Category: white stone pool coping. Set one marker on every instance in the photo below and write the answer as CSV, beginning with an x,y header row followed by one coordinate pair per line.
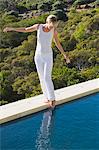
x,y
35,104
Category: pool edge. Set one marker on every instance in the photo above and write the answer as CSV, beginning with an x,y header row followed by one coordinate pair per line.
x,y
86,88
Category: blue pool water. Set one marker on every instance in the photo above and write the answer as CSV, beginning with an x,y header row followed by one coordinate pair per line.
x,y
71,126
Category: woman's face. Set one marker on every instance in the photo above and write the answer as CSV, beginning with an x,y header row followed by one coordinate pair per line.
x,y
51,24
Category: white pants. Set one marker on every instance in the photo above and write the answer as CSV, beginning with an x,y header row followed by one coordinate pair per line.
x,y
44,64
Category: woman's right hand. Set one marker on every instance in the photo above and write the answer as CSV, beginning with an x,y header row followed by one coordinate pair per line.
x,y
8,29
67,59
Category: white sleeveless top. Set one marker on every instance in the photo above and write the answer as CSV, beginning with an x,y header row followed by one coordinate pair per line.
x,y
44,40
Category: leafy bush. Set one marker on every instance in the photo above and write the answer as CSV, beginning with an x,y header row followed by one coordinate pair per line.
x,y
45,6
58,5
81,2
61,15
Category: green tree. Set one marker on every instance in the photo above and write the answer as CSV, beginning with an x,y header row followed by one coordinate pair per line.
x,y
58,5
84,58
90,73
7,5
64,76
45,6
81,2
61,15
5,86
29,85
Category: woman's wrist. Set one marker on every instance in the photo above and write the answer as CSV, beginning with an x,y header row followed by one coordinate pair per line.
x,y
64,55
12,29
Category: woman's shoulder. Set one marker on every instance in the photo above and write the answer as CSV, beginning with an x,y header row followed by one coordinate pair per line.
x,y
39,25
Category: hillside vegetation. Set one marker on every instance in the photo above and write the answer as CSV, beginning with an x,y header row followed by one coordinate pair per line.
x,y
78,32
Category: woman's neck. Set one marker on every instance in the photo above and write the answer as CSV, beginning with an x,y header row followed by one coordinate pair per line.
x,y
46,28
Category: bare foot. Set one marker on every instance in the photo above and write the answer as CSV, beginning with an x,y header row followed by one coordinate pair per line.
x,y
52,103
46,101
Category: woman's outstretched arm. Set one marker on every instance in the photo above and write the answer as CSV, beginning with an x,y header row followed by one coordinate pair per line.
x,y
27,29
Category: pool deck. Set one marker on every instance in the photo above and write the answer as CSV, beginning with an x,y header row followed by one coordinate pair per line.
x,y
35,104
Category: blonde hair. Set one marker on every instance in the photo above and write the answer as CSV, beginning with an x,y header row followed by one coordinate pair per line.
x,y
52,18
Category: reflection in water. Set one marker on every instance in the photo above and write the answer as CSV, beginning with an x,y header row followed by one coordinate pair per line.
x,y
43,139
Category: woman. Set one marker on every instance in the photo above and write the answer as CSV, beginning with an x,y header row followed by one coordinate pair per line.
x,y
44,55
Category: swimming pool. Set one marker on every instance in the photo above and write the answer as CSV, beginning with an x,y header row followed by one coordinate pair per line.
x,y
71,126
